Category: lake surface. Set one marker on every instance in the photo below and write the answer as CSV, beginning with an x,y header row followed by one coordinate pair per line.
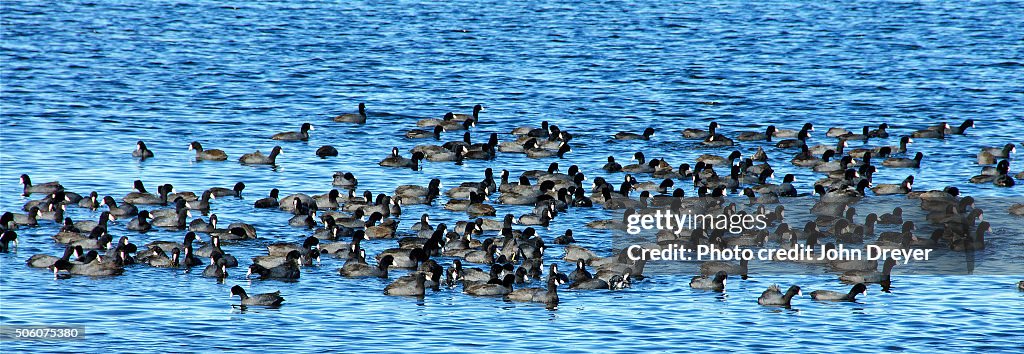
x,y
83,81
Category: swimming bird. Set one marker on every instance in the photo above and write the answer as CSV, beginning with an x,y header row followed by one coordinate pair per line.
x,y
691,133
301,135
45,260
756,136
207,155
168,246
969,242
536,152
273,299
542,219
95,268
894,239
773,296
6,239
287,270
902,148
413,285
175,222
53,205
989,173
642,166
395,160
1003,152
504,287
904,162
450,124
547,296
961,129
345,180
543,131
43,188
893,218
880,132
387,227
213,249
358,118
457,154
217,269
92,202
173,195
140,223
790,133
647,134
759,155
836,132
202,205
591,284
446,121
475,117
883,151
717,140
834,166
800,140
710,159
328,201
304,216
478,208
270,201
145,198
284,248
411,190
902,188
1017,209
141,151
580,274
30,219
257,157
423,134
179,204
807,159
431,122
864,136
936,132
712,267
717,283
235,191
161,260
986,158
870,276
786,189
344,250
612,166
189,258
483,151
423,224
327,151
837,149
362,270
829,295
138,191
1003,178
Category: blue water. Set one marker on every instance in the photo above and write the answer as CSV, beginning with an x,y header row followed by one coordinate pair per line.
x,y
82,81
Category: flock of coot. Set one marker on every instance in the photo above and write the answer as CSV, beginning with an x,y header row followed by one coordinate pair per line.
x,y
488,255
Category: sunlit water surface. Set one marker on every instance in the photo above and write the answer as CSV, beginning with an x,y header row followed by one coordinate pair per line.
x,y
82,81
